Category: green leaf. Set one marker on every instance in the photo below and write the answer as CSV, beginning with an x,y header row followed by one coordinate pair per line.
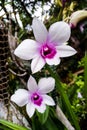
x,y
51,125
64,97
43,117
36,125
12,125
85,75
4,127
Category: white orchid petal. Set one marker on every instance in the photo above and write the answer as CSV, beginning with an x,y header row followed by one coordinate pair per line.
x,y
37,64
46,85
53,61
30,109
40,31
32,85
48,100
27,49
20,97
59,32
65,51
41,108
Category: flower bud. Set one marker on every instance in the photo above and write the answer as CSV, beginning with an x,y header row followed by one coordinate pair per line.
x,y
77,16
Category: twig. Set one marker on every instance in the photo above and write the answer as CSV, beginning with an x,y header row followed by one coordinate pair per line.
x,y
19,75
74,75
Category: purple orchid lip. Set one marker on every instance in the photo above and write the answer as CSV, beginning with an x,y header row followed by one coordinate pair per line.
x,y
36,98
48,51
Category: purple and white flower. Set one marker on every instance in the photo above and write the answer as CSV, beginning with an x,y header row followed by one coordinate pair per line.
x,y
36,96
48,47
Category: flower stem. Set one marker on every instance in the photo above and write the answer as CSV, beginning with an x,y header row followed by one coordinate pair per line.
x,y
64,97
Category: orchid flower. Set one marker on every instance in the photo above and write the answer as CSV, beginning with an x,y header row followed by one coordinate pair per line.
x,y
48,47
36,96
